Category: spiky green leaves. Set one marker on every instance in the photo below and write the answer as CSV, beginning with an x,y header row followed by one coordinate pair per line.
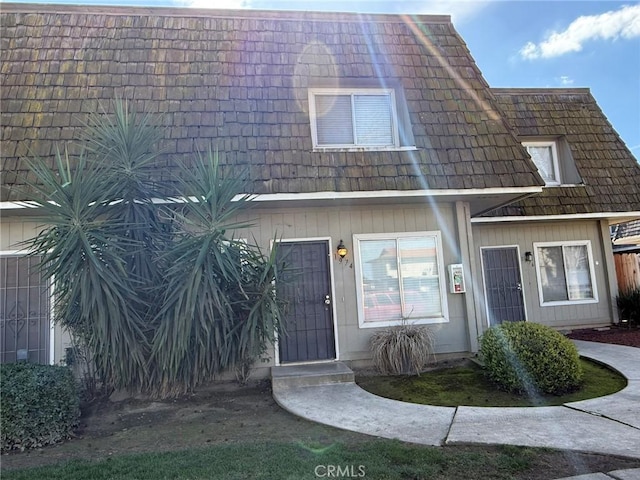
x,y
164,295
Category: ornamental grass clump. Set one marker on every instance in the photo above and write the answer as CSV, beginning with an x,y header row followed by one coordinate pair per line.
x,y
403,349
530,358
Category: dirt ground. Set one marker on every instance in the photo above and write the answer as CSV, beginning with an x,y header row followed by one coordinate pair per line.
x,y
228,413
619,335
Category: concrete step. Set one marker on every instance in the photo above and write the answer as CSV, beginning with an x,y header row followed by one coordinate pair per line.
x,y
289,376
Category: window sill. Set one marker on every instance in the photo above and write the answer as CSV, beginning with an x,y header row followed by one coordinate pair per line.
x,y
395,323
563,185
569,302
363,149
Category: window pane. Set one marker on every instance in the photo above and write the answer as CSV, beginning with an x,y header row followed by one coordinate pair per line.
x,y
373,120
552,274
543,158
576,259
419,275
380,280
334,119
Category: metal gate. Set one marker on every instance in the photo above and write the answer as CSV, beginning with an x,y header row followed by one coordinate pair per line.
x,y
308,326
503,285
24,310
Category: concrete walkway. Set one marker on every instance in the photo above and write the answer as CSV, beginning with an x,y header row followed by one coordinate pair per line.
x,y
605,425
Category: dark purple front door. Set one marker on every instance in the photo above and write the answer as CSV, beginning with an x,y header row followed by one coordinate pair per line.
x,y
503,285
308,328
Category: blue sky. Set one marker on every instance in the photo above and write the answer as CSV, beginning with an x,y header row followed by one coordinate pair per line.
x,y
516,43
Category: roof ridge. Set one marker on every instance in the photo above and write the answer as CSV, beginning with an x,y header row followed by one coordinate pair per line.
x,y
540,90
282,15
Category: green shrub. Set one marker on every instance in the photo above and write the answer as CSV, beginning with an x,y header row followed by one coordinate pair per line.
x,y
629,304
403,349
529,357
38,406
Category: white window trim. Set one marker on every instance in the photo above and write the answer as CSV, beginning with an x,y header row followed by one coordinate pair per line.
x,y
52,301
554,159
592,274
352,147
360,289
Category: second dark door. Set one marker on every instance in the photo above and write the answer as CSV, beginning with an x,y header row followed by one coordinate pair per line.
x,y
503,285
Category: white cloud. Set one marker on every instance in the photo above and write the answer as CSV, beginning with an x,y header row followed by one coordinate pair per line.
x,y
612,25
565,81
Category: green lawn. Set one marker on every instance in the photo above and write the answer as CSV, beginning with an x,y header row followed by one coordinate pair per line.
x,y
467,385
374,459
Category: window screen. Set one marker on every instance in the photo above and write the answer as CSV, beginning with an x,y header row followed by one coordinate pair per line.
x,y
334,119
373,119
357,118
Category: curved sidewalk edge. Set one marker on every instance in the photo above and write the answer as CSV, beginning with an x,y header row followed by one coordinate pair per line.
x,y
628,474
347,406
606,425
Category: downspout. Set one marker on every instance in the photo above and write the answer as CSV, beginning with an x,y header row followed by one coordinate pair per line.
x,y
611,280
467,256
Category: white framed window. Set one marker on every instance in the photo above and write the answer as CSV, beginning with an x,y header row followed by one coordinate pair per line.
x,y
362,118
545,156
25,310
400,277
565,273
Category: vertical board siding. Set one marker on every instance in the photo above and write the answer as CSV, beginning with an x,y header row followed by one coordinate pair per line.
x,y
339,222
342,223
525,235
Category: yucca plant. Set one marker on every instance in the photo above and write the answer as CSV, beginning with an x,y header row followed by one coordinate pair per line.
x,y
83,253
402,349
127,142
164,297
219,308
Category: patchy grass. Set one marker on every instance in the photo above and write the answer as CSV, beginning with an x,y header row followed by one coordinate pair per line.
x,y
241,433
467,385
373,459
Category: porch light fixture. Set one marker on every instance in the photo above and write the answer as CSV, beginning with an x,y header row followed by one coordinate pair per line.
x,y
342,250
528,257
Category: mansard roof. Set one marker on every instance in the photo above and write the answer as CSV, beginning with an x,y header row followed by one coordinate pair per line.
x,y
238,81
609,174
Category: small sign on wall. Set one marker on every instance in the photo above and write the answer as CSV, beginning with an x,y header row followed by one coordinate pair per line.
x,y
456,278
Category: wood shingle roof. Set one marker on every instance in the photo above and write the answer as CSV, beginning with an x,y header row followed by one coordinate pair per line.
x,y
238,80
609,173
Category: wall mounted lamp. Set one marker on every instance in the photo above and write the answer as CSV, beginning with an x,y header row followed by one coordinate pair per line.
x,y
528,257
342,250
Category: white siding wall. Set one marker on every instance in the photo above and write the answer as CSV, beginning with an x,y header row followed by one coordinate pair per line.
x,y
336,223
343,222
524,235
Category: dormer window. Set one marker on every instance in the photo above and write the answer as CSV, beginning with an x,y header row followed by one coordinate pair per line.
x,y
545,156
363,118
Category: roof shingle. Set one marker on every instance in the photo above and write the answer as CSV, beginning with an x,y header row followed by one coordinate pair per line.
x,y
238,80
610,175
